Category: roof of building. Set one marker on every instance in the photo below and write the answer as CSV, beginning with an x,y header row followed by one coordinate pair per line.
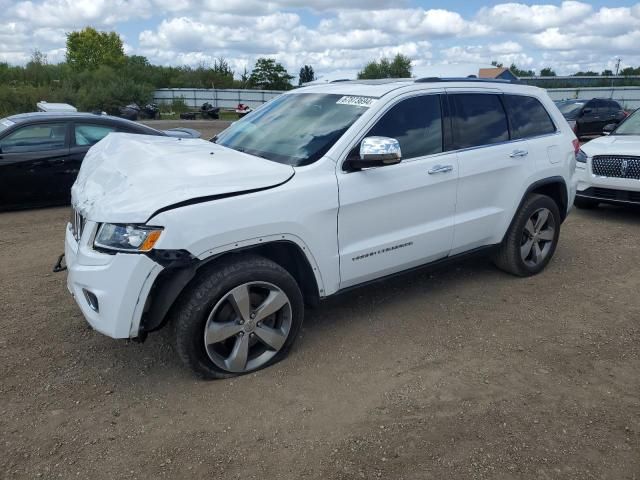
x,y
491,72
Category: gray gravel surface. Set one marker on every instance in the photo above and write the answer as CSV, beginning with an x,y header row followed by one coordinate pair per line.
x,y
463,372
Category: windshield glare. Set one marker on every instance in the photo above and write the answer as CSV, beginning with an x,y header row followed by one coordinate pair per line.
x,y
570,109
631,126
296,129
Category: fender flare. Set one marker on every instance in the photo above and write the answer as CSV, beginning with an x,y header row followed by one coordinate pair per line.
x,y
535,186
180,267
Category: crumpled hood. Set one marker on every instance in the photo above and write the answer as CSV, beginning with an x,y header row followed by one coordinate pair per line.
x,y
125,178
613,145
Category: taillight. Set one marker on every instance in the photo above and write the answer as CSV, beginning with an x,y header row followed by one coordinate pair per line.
x,y
576,146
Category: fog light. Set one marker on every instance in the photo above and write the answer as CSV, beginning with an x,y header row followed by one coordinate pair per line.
x,y
92,300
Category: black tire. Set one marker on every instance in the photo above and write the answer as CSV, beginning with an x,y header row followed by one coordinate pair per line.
x,y
585,203
509,257
209,287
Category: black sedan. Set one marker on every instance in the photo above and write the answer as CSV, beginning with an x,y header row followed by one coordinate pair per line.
x,y
41,153
588,117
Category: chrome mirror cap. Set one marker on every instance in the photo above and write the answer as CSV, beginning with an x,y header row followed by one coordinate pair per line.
x,y
380,149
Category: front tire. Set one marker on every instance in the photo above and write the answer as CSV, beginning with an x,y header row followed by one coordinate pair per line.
x,y
532,237
237,316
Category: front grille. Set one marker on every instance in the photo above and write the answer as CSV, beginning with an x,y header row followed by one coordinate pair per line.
x,y
77,224
617,166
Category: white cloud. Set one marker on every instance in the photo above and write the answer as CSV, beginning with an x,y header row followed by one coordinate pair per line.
x,y
331,34
518,17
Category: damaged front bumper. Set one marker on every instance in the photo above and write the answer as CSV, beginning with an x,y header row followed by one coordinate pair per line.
x,y
110,289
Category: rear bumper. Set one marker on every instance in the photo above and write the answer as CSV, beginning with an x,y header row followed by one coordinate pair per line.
x,y
111,290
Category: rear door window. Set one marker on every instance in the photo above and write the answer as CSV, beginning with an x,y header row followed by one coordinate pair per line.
x,y
416,123
87,134
527,116
478,119
39,137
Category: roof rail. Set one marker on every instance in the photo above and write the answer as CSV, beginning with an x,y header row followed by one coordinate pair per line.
x,y
463,79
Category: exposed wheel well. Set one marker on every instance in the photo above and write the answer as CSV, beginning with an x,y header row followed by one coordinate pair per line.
x,y
556,190
290,257
173,280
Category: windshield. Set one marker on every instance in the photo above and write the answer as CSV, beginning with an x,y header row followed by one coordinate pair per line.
x,y
631,126
296,129
5,123
570,109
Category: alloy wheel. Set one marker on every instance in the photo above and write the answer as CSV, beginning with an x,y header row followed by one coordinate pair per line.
x,y
537,237
247,327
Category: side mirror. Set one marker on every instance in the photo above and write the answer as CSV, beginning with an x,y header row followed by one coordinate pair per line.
x,y
376,152
587,110
608,128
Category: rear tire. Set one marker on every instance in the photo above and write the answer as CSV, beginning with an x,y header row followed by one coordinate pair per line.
x,y
532,237
585,203
237,316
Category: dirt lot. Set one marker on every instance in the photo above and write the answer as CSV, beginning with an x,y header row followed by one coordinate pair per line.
x,y
461,373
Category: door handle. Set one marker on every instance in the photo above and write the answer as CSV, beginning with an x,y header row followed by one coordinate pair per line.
x,y
440,169
518,153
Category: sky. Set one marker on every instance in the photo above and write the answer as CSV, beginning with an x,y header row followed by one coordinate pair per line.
x,y
337,35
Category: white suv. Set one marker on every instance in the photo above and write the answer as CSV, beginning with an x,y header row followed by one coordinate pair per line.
x,y
322,189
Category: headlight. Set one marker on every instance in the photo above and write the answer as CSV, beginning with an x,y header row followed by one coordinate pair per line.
x,y
581,157
126,238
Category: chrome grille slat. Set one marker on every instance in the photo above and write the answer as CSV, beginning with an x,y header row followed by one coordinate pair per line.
x,y
616,166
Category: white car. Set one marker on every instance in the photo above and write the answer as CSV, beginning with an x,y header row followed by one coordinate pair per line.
x,y
324,188
608,167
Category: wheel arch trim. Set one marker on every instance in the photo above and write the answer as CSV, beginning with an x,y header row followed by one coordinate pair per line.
x,y
175,278
555,180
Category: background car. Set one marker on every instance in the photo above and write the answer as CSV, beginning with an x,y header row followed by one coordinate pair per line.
x,y
588,117
41,153
608,168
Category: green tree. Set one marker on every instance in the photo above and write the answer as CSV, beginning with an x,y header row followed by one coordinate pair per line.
x,y
496,64
630,71
520,72
547,72
399,67
588,73
269,75
306,75
607,73
89,49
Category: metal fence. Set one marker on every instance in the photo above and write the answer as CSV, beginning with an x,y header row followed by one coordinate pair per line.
x,y
629,97
195,97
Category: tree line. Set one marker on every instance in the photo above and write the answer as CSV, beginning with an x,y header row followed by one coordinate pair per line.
x,y
98,75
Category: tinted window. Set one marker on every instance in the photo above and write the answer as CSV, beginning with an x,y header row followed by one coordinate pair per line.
x,y
35,138
527,116
91,134
416,123
478,119
614,106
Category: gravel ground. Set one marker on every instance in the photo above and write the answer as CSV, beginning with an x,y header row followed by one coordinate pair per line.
x,y
464,372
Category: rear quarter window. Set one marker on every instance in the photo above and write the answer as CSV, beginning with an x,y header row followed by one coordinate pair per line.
x,y
528,117
478,119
